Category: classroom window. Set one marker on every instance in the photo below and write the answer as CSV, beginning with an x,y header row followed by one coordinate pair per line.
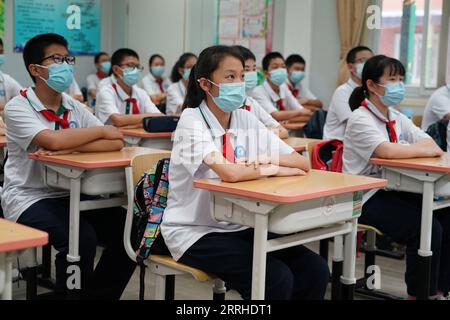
x,y
411,33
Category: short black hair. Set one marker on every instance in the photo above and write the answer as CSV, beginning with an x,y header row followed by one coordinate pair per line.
x,y
34,50
294,58
269,57
98,55
246,53
351,55
120,55
175,75
155,56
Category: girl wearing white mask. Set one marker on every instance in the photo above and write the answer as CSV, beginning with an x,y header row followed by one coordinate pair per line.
x,y
155,83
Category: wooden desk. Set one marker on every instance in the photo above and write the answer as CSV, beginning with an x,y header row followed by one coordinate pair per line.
x,y
160,140
429,177
95,174
14,238
318,206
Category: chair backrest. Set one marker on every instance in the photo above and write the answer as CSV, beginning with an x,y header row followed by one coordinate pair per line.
x,y
417,120
311,147
143,163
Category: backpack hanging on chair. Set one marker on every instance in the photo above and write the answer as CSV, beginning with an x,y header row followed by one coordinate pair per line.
x,y
315,125
150,201
438,131
327,156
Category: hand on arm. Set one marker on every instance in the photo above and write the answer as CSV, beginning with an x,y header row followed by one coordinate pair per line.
x,y
425,148
289,115
121,121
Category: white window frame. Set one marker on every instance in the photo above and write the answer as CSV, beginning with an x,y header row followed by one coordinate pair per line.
x,y
418,92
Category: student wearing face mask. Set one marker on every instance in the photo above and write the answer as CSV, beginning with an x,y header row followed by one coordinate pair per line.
x,y
9,88
120,101
44,120
180,78
155,83
250,104
102,62
274,95
339,110
376,129
296,66
214,138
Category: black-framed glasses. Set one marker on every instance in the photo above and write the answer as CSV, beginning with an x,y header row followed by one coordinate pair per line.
x,y
132,66
58,59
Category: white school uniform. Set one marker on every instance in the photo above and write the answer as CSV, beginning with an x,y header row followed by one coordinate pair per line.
x,y
437,107
175,97
9,88
266,119
365,133
93,82
104,83
339,112
267,98
187,217
303,91
111,101
24,178
152,88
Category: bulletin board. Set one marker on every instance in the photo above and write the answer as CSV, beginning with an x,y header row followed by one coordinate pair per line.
x,y
76,20
2,20
247,23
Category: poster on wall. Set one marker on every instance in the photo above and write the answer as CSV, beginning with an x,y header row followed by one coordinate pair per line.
x,y
76,20
2,20
247,23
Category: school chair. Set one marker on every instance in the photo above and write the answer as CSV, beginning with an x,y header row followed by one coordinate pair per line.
x,y
417,120
165,268
370,250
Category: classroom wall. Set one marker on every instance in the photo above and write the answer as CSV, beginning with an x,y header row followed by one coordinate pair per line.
x,y
113,20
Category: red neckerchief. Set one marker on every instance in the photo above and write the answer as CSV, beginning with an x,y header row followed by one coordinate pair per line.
x,y
129,101
390,125
227,148
295,92
280,105
100,75
245,106
160,83
50,115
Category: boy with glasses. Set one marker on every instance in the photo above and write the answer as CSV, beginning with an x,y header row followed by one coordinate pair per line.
x,y
44,120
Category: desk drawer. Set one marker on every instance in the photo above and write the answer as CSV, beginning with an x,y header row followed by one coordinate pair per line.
x,y
93,182
402,182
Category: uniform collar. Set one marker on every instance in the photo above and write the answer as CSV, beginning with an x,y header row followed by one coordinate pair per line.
x,y
391,112
120,92
182,88
67,101
272,94
217,130
352,83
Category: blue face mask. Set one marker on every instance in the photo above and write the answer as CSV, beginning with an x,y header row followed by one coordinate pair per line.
x,y
297,76
105,67
251,80
60,76
186,74
394,94
278,76
359,70
231,96
158,71
2,59
131,76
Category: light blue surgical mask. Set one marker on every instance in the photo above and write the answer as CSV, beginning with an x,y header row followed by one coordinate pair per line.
x,y
131,76
278,76
359,70
231,96
60,76
394,94
297,76
105,67
158,71
251,80
2,59
186,74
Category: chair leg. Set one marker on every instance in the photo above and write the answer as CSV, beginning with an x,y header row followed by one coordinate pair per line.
x,y
160,287
219,290
47,261
31,283
170,288
324,244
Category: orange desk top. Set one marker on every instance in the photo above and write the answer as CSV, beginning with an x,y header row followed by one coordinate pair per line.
x,y
14,236
299,144
294,126
2,141
439,164
97,160
141,133
316,184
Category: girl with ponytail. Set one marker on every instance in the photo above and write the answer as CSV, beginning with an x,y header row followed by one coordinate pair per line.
x,y
376,130
217,139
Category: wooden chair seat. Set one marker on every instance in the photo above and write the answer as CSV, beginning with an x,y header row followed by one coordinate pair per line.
x,y
362,227
171,263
